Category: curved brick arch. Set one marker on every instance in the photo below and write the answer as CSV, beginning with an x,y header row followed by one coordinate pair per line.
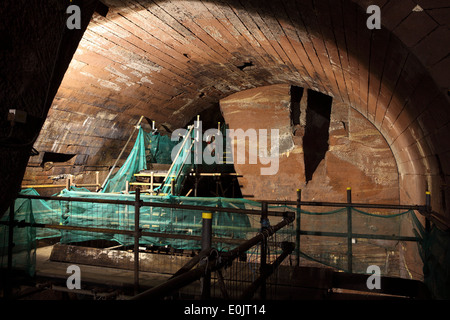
x,y
171,60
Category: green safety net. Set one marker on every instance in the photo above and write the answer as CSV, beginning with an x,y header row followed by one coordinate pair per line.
x,y
135,162
148,148
435,253
24,238
156,148
159,148
327,242
330,250
121,217
180,167
152,219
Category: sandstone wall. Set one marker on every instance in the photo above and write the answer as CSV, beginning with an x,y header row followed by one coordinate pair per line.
x,y
357,157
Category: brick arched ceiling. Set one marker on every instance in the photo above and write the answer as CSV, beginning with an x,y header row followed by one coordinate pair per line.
x,y
169,60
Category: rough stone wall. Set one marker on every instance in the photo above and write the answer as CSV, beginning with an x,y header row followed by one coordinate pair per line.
x,y
35,51
357,157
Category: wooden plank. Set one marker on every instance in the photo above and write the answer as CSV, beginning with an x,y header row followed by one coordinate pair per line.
x,y
150,175
37,186
117,259
146,184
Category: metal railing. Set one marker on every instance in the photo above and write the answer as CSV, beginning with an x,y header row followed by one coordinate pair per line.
x,y
424,210
135,230
215,262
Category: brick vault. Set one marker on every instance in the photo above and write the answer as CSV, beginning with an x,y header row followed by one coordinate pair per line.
x,y
83,90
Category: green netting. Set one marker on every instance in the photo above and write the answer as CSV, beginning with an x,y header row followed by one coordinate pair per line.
x,y
180,167
326,240
435,253
159,148
155,148
330,250
148,148
24,238
121,217
135,162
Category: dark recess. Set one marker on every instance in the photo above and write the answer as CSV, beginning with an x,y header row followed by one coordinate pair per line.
x,y
296,97
245,65
56,157
315,141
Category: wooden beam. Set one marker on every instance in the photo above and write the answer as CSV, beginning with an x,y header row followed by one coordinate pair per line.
x,y
43,186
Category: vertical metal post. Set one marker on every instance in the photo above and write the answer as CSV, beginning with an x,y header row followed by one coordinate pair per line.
x,y
196,182
172,186
69,182
297,235
263,266
428,205
137,235
152,178
206,245
349,231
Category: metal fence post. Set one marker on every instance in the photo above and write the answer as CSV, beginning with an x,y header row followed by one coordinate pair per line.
x,y
172,186
428,205
206,245
264,225
137,235
349,231
297,236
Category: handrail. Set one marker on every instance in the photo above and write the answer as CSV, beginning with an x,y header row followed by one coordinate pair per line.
x,y
153,204
423,210
287,215
178,153
436,218
216,263
346,204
